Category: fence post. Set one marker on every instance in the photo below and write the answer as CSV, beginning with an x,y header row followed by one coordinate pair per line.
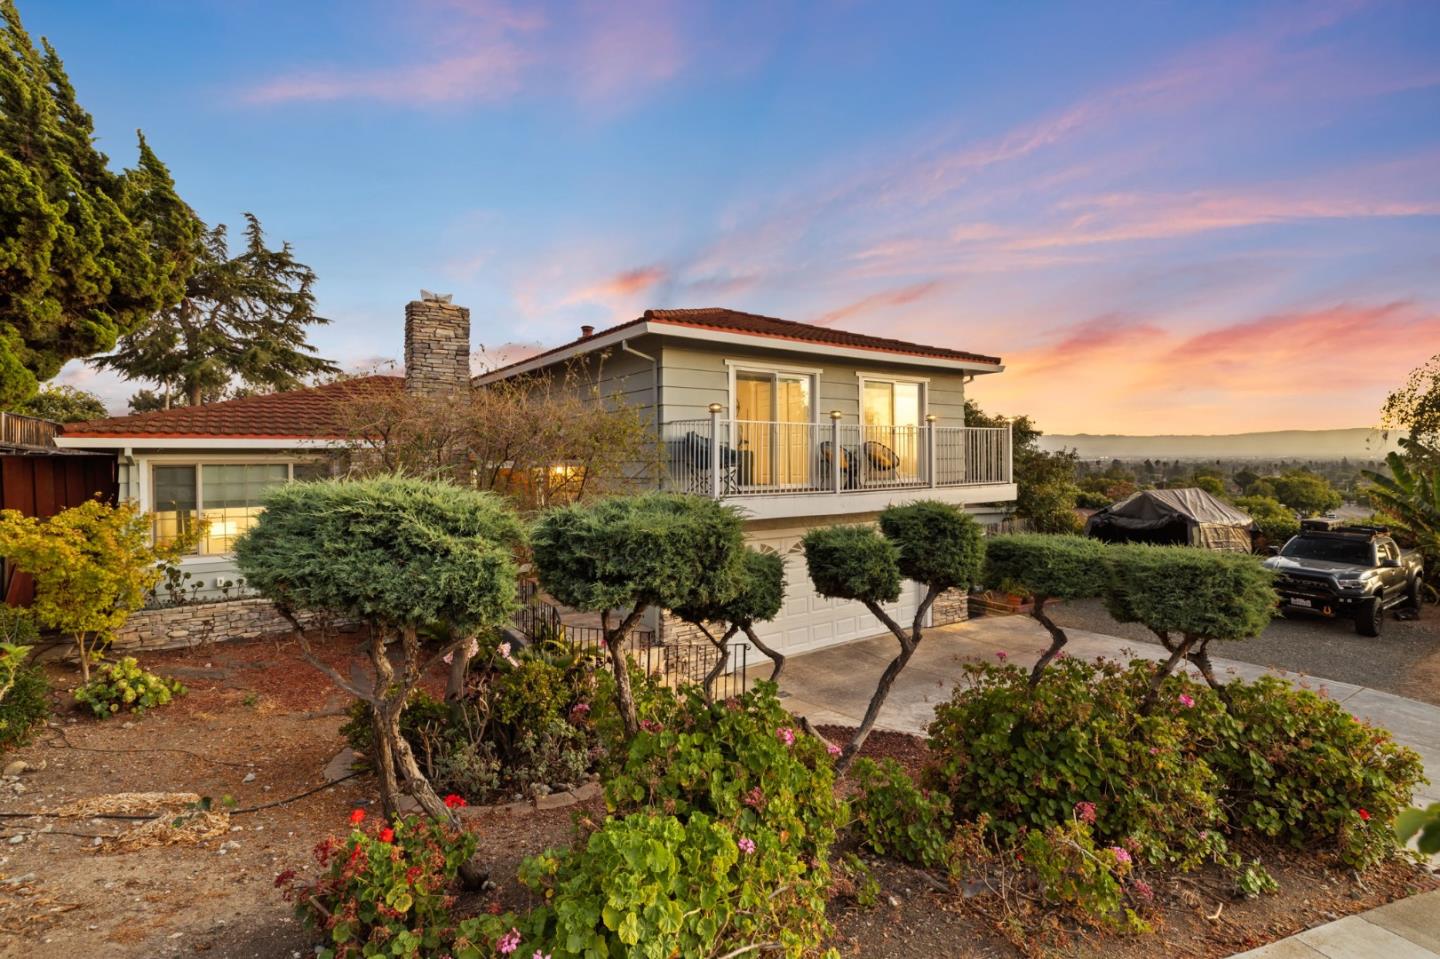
x,y
835,451
930,446
715,409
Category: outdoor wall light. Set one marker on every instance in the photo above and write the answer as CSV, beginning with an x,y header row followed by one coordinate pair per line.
x,y
836,414
716,408
931,418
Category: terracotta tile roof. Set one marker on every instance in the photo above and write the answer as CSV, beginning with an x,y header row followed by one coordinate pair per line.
x,y
734,321
310,413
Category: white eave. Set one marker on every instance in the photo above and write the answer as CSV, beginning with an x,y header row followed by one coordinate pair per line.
x,y
152,441
728,338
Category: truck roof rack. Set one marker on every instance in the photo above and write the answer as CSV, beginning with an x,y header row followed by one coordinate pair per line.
x,y
1321,524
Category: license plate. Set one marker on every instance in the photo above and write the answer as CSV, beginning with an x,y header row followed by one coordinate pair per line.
x,y
1297,601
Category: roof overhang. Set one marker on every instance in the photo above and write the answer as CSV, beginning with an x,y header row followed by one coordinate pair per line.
x,y
192,442
687,331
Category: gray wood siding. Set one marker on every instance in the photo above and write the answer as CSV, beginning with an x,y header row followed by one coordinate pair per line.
x,y
694,376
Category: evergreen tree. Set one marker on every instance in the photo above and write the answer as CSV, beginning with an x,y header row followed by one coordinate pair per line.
x,y
86,254
63,404
241,324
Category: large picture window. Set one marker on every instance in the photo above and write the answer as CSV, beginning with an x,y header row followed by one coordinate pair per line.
x,y
224,495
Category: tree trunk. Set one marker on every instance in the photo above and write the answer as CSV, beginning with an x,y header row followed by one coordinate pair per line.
x,y
459,668
385,762
615,644
908,645
84,658
775,657
1201,659
1058,639
723,646
1177,653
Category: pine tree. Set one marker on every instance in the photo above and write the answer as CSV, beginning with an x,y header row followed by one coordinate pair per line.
x,y
86,254
240,325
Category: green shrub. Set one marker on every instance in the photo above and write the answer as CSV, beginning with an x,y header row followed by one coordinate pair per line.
x,y
1031,758
385,890
1190,592
125,687
1299,767
895,817
939,544
852,562
24,690
1045,566
1276,521
1072,871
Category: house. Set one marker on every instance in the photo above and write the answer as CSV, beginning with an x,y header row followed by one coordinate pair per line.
x,y
795,424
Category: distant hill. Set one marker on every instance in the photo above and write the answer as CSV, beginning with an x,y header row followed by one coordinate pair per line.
x,y
1361,443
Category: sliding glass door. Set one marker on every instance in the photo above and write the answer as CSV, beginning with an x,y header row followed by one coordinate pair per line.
x,y
774,417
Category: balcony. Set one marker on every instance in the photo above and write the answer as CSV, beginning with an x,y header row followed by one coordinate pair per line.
x,y
755,461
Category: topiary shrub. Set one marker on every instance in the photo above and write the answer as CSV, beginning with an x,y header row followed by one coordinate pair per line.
x,y
1035,757
895,817
401,555
1198,594
1045,567
759,594
937,545
1299,767
125,687
661,550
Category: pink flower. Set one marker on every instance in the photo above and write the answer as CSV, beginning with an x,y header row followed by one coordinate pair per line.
x,y
1143,890
1154,750
650,726
832,749
746,844
1085,812
503,649
1001,655
540,955
509,942
1186,700
786,734
1120,854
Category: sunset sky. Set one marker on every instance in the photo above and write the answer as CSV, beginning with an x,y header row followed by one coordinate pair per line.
x,y
1166,217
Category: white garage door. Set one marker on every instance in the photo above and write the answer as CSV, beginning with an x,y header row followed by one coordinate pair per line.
x,y
808,621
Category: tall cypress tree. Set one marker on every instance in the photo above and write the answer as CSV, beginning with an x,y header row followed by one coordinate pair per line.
x,y
86,255
241,326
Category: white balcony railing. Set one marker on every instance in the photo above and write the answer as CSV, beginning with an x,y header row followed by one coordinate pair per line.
x,y
757,457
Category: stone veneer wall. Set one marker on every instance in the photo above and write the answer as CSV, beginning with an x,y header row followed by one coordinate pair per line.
x,y
437,347
951,606
175,627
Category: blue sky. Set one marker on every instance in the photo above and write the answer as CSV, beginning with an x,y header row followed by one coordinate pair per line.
x,y
1165,216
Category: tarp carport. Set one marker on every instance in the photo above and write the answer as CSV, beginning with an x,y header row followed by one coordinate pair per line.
x,y
1174,516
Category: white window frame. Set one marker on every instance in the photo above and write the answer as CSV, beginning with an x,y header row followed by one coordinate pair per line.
x,y
735,366
196,462
864,377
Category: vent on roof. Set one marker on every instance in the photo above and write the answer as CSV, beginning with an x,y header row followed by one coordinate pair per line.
x,y
586,332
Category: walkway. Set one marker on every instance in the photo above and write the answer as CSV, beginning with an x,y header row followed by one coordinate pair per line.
x,y
1408,929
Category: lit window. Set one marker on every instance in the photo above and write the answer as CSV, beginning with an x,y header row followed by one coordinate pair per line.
x,y
226,495
175,503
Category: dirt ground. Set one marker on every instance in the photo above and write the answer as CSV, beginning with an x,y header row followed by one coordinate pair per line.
x,y
260,725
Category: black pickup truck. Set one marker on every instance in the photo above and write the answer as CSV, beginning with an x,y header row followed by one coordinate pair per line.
x,y
1354,571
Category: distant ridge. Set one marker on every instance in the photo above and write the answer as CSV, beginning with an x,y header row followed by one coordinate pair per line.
x,y
1362,443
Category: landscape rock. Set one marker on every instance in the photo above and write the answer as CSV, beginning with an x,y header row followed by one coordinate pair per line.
x,y
15,768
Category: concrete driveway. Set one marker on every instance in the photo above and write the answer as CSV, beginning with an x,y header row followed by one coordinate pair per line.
x,y
834,685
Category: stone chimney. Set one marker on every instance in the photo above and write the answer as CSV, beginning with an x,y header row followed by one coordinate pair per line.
x,y
437,345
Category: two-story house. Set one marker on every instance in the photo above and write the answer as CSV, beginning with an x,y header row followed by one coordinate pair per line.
x,y
797,425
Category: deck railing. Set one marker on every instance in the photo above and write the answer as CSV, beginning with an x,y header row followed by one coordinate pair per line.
x,y
16,429
723,458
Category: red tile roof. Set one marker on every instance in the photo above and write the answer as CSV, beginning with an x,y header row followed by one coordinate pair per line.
x,y
752,324
312,413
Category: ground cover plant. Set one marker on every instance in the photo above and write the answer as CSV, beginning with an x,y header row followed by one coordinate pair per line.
x,y
124,687
937,545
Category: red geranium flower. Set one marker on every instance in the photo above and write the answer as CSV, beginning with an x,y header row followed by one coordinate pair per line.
x,y
1363,814
453,801
357,816
387,834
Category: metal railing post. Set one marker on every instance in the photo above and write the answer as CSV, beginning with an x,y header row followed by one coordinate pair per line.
x,y
835,451
1009,453
715,409
930,464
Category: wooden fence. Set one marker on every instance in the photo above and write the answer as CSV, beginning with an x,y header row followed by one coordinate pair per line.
x,y
42,482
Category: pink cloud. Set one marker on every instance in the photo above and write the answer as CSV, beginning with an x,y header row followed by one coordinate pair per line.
x,y
622,286
880,301
599,54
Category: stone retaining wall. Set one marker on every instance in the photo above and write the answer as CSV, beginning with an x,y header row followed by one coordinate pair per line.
x,y
191,624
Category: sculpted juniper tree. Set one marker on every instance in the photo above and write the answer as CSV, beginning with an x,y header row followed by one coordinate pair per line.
x,y
935,544
1189,598
1045,568
760,592
399,556
622,556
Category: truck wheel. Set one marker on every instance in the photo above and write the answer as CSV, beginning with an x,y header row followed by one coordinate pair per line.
x,y
1370,617
1412,595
